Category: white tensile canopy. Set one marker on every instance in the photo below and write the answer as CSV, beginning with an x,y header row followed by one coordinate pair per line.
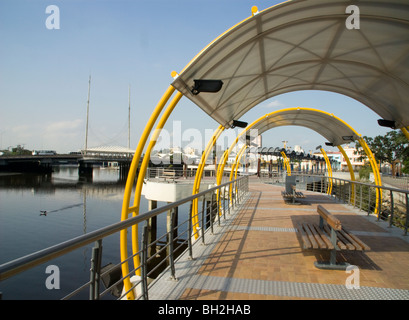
x,y
306,45
336,131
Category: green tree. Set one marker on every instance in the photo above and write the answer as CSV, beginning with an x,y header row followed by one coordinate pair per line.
x,y
390,148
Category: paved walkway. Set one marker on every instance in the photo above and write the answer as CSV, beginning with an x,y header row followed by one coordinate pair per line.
x,y
256,254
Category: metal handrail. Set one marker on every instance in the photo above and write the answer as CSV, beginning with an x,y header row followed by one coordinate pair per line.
x,y
27,262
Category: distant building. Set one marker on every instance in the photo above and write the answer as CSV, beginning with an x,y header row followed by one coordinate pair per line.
x,y
354,158
340,163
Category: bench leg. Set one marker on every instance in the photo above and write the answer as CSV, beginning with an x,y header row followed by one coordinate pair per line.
x,y
332,264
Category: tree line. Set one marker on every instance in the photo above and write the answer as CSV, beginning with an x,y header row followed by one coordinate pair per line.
x,y
391,148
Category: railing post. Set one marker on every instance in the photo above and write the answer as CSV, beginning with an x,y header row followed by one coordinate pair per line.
x,y
237,194
224,203
190,234
144,264
228,197
218,206
378,191
203,220
369,200
355,185
212,213
240,190
322,184
95,270
407,216
171,244
360,197
392,210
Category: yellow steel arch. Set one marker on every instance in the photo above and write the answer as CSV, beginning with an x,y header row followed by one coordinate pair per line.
x,y
351,172
142,172
328,163
405,132
238,163
234,168
198,176
375,171
361,141
126,210
233,172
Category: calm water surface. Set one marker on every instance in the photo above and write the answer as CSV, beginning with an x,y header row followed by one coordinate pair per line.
x,y
73,208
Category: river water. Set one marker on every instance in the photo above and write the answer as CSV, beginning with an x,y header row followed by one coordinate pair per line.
x,y
73,207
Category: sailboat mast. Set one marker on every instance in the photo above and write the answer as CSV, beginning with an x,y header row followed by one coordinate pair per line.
x,y
86,128
129,117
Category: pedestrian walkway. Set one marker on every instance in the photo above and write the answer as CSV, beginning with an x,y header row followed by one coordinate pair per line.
x,y
256,254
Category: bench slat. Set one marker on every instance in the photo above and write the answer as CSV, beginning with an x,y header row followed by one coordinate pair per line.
x,y
306,241
292,195
317,237
324,237
360,244
310,236
340,244
346,240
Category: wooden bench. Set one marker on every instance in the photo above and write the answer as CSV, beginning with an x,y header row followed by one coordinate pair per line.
x,y
330,236
293,195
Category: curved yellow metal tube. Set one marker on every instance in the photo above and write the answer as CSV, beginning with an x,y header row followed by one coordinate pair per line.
x,y
142,172
234,169
223,159
234,165
405,132
233,172
328,163
375,171
238,163
362,142
199,174
351,172
228,151
219,177
129,184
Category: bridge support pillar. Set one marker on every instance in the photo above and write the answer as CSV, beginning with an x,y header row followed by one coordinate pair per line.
x,y
124,170
85,170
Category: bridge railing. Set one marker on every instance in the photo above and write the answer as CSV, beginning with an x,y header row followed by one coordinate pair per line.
x,y
158,252
391,203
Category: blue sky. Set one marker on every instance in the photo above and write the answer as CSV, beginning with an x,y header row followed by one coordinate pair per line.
x,y
121,43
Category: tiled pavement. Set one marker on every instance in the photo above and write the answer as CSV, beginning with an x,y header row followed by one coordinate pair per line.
x,y
256,254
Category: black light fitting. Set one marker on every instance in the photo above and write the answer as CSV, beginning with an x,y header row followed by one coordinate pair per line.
x,y
240,124
387,123
206,86
348,138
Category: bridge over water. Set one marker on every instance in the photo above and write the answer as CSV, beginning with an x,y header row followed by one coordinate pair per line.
x,y
85,160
